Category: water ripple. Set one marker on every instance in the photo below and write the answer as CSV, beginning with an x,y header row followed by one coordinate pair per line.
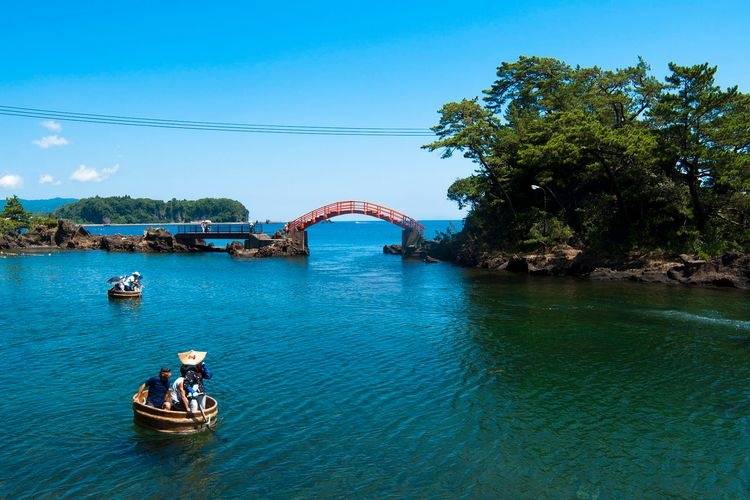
x,y
357,374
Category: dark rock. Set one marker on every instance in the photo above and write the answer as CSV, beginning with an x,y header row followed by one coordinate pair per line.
x,y
495,261
691,261
392,249
120,243
157,234
235,249
284,247
676,273
517,265
153,241
582,264
70,235
724,281
8,241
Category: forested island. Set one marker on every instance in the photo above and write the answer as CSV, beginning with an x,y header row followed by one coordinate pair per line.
x,y
615,163
127,210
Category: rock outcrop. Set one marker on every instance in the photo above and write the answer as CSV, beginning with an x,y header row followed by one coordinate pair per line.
x,y
731,270
392,249
279,247
67,235
157,240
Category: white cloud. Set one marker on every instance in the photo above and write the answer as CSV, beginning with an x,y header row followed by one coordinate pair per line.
x,y
51,140
88,174
10,181
52,125
48,179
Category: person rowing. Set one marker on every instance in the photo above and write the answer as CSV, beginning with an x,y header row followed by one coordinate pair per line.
x,y
187,392
133,282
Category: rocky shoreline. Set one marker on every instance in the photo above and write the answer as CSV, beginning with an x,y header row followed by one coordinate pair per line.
x,y
732,270
69,236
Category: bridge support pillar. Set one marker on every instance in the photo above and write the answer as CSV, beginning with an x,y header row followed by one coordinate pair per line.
x,y
411,243
299,239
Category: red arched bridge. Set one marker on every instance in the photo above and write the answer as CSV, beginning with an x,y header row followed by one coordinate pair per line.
x,y
353,207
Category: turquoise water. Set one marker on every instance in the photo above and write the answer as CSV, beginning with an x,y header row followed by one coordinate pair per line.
x,y
355,374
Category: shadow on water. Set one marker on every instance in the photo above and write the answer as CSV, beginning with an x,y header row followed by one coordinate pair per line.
x,y
125,304
187,461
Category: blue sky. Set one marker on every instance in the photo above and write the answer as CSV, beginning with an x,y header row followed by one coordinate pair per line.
x,y
343,64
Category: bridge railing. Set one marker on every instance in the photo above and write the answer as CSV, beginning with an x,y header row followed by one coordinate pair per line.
x,y
213,228
354,207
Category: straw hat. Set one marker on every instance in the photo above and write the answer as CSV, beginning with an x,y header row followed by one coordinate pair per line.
x,y
191,357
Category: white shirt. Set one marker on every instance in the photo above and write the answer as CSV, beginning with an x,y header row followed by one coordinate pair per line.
x,y
174,392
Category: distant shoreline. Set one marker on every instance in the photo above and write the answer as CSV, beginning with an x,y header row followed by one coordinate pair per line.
x,y
169,224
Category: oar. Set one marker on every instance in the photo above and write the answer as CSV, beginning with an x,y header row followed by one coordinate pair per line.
x,y
205,420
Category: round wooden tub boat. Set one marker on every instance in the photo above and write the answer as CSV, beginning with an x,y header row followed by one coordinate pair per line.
x,y
179,422
123,294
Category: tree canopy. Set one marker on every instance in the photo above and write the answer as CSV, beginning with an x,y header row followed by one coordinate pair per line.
x,y
13,217
610,160
127,210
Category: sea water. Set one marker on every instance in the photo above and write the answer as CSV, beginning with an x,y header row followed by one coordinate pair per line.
x,y
351,373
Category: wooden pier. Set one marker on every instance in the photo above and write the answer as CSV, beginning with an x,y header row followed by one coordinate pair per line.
x,y
223,231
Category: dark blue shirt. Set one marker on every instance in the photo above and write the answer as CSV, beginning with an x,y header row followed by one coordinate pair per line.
x,y
157,389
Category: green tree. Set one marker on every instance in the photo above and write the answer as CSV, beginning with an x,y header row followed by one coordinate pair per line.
x,y
704,134
688,118
14,217
619,160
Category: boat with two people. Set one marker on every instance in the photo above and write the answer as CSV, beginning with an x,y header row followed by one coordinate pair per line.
x,y
201,413
126,287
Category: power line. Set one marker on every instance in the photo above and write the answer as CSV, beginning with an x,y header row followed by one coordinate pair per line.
x,y
212,126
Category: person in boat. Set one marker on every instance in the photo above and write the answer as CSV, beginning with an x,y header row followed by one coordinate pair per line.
x,y
157,389
133,282
120,285
187,392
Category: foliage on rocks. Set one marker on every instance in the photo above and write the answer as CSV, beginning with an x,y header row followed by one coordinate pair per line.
x,y
14,219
